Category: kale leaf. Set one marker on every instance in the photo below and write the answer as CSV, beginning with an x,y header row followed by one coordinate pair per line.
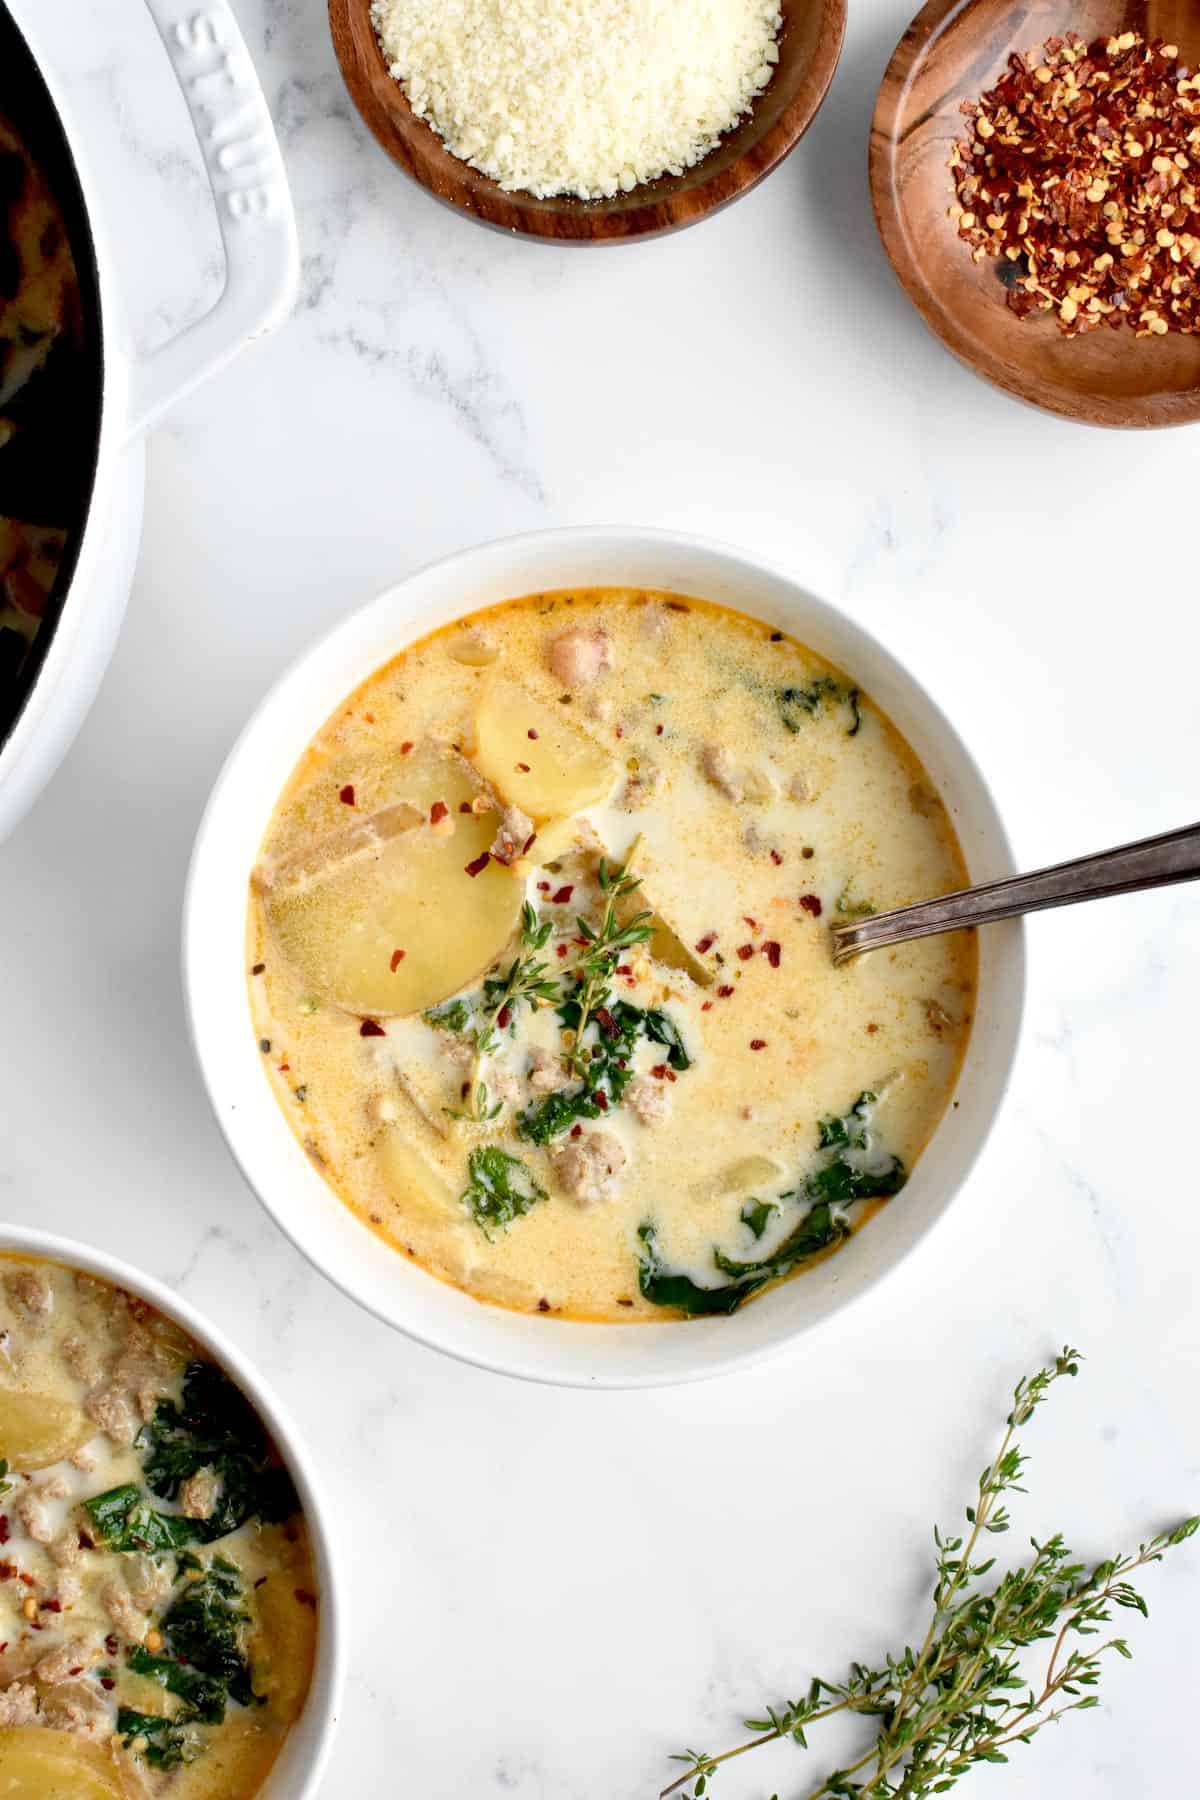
x,y
452,1015
757,1214
493,1197
797,704
204,1627
169,1742
608,1069
216,1428
671,1287
852,1170
203,1695
123,1519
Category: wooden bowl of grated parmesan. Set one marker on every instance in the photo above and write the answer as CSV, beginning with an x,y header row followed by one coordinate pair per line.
x,y
588,121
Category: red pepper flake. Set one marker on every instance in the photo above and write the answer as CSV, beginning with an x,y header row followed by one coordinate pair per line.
x,y
523,768
56,1606
560,949
306,1598
706,943
752,923
659,1071
284,1068
707,1006
777,857
503,1016
107,1683
723,993
530,841
464,806
601,1099
406,746
745,952
543,887
658,731
112,1644
562,895
607,1023
4,1528
7,1571
531,733
437,812
577,1131
758,1043
624,969
258,968
480,864
811,904
581,941
620,731
398,957
773,952
346,795
371,1028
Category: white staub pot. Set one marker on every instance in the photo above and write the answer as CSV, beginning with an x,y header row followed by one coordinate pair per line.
x,y
208,57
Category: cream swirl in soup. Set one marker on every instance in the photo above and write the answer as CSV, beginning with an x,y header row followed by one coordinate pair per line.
x,y
158,1612
540,967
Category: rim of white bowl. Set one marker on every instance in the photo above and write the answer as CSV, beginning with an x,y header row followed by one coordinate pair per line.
x,y
297,1771
309,1212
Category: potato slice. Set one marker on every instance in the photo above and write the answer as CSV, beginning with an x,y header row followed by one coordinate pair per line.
x,y
283,1648
535,757
37,1430
341,920
740,1177
37,1764
426,1200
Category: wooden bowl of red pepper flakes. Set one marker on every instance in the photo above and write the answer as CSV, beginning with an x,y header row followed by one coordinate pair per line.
x,y
1038,284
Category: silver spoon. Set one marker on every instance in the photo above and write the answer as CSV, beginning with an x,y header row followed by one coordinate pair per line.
x,y
1153,862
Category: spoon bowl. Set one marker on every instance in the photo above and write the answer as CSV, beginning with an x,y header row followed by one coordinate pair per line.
x,y
810,43
952,52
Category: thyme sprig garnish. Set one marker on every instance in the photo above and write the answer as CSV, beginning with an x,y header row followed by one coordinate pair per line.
x,y
606,944
962,1698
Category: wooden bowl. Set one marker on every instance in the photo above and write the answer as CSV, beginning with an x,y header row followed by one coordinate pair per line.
x,y
953,51
810,44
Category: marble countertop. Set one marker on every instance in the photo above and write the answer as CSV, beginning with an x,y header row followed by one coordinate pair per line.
x,y
551,1591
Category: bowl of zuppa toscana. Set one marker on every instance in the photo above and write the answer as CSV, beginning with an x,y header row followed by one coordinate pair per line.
x,y
506,948
171,1616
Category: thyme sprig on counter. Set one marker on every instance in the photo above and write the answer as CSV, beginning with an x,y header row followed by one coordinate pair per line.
x,y
606,944
962,1698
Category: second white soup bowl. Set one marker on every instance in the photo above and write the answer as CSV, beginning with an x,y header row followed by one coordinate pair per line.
x,y
307,1209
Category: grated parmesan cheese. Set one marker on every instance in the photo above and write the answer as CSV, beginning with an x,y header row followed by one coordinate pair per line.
x,y
583,97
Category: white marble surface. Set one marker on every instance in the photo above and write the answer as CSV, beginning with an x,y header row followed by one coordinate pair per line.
x,y
552,1591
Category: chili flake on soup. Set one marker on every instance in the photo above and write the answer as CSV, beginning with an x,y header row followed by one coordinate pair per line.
x,y
539,955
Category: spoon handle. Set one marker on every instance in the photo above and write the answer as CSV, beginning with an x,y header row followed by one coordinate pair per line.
x,y
1153,862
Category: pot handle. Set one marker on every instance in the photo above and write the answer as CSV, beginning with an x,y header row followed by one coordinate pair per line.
x,y
254,207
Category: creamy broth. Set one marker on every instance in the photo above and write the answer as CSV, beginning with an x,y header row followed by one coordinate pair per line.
x,y
157,1600
734,1104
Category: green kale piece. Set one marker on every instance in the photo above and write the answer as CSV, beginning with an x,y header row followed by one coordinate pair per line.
x,y
169,1742
500,1189
853,1170
216,1427
123,1519
757,1214
606,1064
452,1015
798,704
671,1287
204,1627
